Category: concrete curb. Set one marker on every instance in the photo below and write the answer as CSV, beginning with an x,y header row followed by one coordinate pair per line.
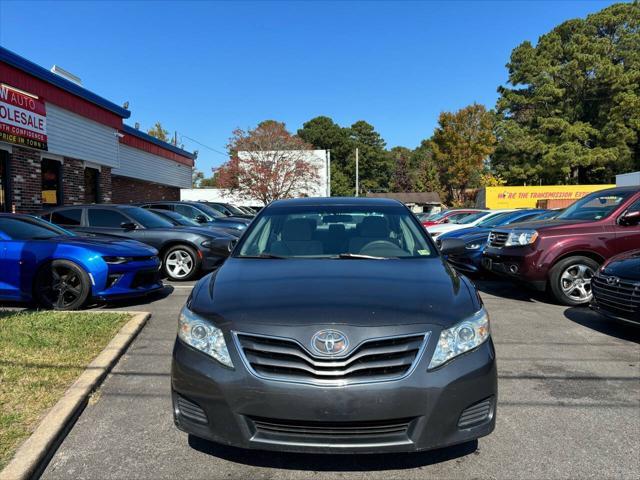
x,y
47,435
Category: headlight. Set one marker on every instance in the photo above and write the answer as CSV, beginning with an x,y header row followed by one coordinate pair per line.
x,y
518,238
477,245
461,338
201,335
117,260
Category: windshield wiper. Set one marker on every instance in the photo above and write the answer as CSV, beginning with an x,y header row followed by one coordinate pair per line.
x,y
263,255
357,256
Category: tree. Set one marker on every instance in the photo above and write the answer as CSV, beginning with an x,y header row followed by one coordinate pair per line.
x,y
159,132
572,110
427,172
267,163
196,178
461,144
402,179
324,134
375,165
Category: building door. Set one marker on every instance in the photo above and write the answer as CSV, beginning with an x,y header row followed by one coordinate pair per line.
x,y
4,181
51,183
91,194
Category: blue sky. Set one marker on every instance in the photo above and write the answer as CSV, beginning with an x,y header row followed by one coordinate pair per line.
x,y
205,68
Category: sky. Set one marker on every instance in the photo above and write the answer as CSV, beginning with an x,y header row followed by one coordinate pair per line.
x,y
206,68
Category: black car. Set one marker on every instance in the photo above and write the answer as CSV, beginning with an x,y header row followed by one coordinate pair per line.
x,y
335,326
201,213
184,251
616,288
179,220
229,210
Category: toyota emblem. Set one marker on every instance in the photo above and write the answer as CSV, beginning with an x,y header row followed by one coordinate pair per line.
x,y
329,342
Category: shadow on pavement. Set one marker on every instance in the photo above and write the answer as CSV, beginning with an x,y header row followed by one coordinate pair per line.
x,y
593,320
510,290
332,463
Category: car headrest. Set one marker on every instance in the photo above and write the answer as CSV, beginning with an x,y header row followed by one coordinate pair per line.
x,y
297,230
374,227
337,228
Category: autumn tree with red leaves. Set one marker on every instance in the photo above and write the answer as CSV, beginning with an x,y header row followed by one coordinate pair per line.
x,y
267,163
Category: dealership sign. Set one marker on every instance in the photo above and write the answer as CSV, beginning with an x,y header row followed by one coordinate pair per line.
x,y
23,118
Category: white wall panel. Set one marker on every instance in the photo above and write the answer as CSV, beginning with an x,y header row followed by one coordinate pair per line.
x,y
74,136
142,165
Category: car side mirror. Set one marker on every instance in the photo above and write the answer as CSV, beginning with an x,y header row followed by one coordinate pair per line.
x,y
630,219
201,219
128,226
232,244
452,246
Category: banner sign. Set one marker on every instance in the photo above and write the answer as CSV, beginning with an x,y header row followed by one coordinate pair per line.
x,y
23,119
527,197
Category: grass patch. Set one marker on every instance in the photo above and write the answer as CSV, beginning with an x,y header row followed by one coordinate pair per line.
x,y
41,355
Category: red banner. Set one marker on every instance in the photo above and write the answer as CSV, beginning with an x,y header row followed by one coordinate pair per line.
x,y
23,118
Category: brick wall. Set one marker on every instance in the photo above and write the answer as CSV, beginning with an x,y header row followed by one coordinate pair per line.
x,y
72,181
26,180
104,181
129,190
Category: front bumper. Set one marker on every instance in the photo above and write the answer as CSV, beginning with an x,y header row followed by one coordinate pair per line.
x,y
517,263
469,263
422,411
129,280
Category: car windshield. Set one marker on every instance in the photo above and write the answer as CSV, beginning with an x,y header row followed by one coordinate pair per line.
x,y
212,212
147,219
501,219
437,216
339,231
594,207
26,228
234,210
472,217
177,218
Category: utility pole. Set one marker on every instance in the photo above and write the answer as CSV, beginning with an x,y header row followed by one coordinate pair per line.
x,y
328,173
357,176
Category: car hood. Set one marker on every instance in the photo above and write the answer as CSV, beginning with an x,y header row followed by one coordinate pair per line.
x,y
465,232
234,220
319,292
447,227
207,232
108,245
626,265
543,225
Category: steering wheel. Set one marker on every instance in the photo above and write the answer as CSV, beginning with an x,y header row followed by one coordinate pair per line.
x,y
382,248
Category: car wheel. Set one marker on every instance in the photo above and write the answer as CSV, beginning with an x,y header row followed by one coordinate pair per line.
x,y
181,262
570,280
62,285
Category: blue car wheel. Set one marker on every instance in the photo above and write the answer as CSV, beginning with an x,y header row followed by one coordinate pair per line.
x,y
62,285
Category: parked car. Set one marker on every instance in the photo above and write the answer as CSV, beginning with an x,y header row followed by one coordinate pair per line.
x,y
476,238
179,220
47,264
229,210
564,254
360,338
446,216
469,220
616,288
201,213
184,251
548,214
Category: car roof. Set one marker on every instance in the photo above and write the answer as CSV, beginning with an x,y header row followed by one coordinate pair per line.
x,y
325,201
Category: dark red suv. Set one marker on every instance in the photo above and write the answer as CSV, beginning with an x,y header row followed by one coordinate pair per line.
x,y
564,254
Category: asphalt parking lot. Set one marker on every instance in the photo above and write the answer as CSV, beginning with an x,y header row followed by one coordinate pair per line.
x,y
569,407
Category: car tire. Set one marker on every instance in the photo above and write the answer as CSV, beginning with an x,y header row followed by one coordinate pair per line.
x,y
181,262
61,285
570,280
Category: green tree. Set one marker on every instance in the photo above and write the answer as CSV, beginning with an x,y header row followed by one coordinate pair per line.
x,y
572,110
426,171
375,165
461,144
159,132
403,178
324,134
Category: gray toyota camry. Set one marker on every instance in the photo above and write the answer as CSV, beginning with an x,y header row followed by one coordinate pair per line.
x,y
335,326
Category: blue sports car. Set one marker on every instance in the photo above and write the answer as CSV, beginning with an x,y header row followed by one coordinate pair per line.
x,y
476,238
42,262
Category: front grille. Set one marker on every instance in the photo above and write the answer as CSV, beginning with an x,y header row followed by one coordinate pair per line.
x,y
326,430
498,239
190,410
144,278
476,414
621,296
374,360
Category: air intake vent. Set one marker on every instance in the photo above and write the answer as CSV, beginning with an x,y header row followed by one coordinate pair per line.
x,y
190,410
476,414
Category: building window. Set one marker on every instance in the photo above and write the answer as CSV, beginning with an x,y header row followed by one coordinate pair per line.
x,y
51,183
4,181
91,185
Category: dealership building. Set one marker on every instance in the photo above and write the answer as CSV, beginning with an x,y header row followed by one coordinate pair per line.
x,y
61,144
